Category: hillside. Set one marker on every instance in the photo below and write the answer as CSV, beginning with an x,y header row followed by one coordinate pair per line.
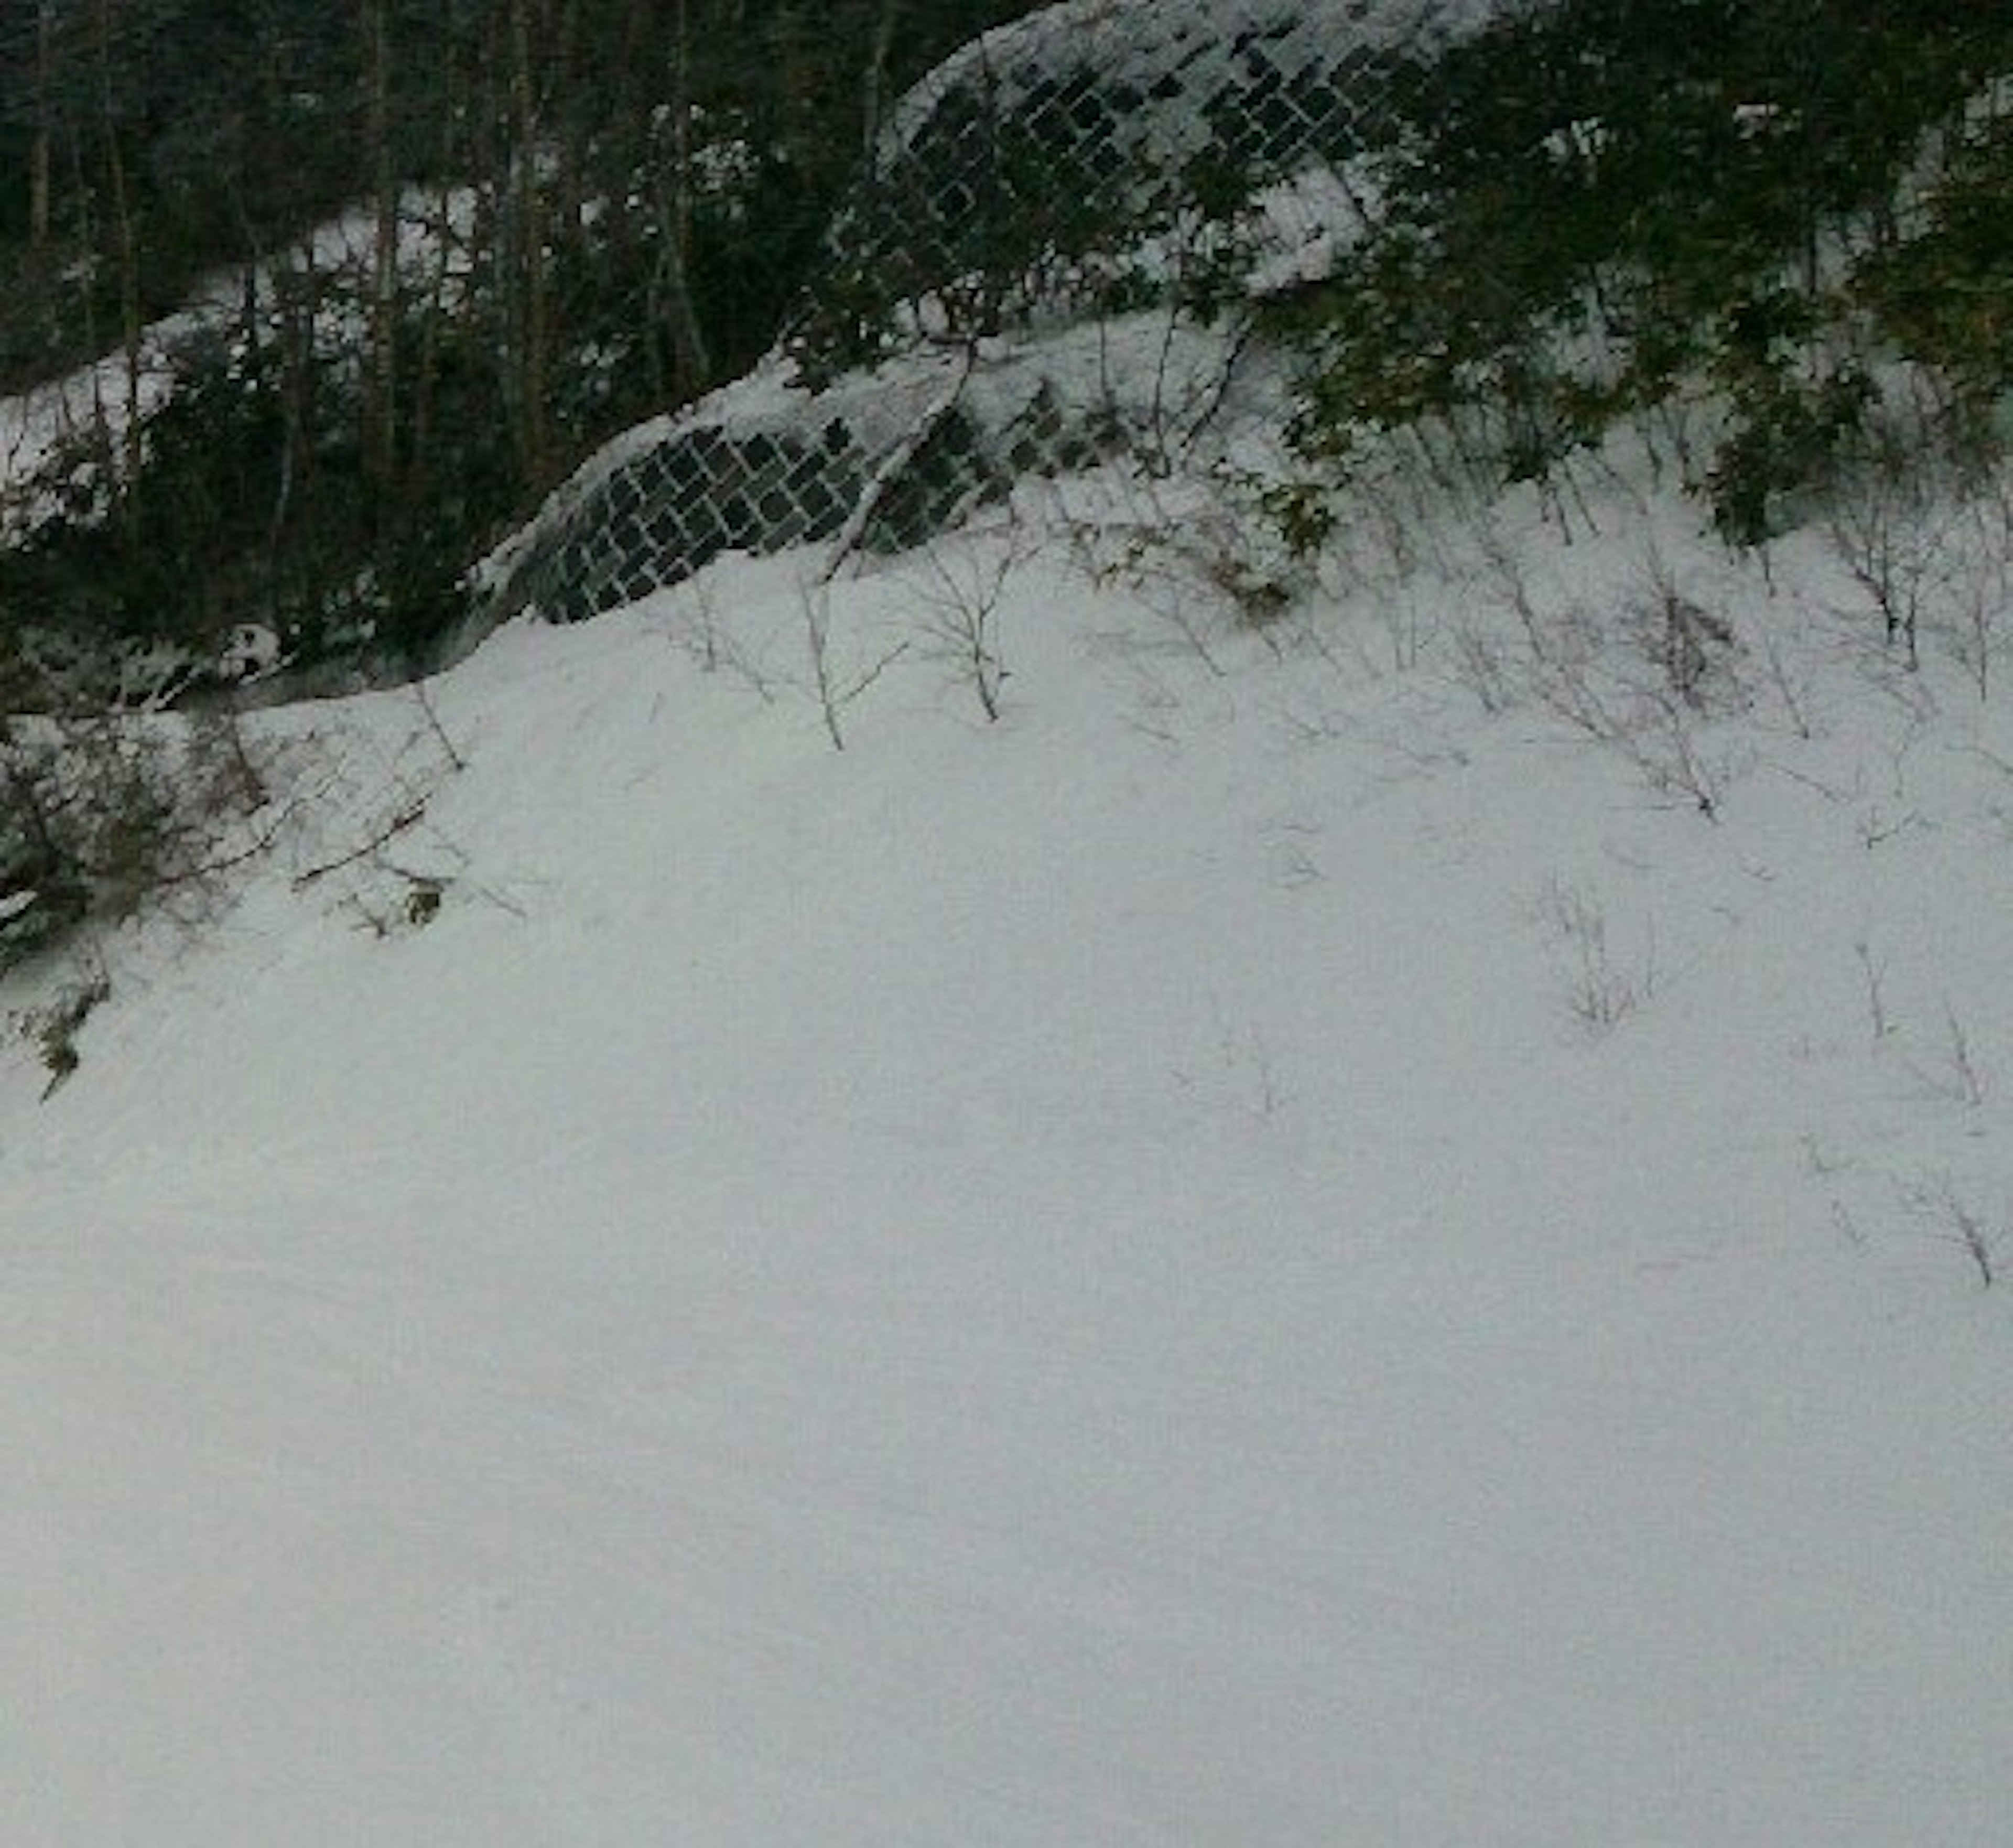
x,y
1230,1064
1256,1251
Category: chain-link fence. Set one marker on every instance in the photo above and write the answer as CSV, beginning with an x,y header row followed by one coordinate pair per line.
x,y
1023,281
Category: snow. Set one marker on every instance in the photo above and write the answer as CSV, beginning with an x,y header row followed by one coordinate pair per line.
x,y
1083,1280
1192,45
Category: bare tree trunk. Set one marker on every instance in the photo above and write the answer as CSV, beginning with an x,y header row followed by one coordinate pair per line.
x,y
873,98
39,152
381,406
534,280
293,296
445,238
568,214
672,281
126,231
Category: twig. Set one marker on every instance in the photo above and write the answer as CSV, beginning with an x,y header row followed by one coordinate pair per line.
x,y
398,824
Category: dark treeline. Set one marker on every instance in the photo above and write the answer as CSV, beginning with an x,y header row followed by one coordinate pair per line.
x,y
632,191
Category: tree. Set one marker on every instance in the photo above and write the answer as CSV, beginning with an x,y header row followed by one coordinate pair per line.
x,y
614,204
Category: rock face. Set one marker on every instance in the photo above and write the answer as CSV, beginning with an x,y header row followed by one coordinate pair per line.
x,y
1099,161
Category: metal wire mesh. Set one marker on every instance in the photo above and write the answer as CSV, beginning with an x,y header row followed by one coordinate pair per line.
x,y
1102,159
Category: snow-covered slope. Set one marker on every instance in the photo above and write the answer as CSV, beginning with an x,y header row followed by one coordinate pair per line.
x,y
1258,1253
1172,59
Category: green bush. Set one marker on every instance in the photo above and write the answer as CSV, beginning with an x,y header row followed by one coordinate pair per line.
x,y
1594,204
1944,297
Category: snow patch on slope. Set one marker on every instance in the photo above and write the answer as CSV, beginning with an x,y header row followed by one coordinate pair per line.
x,y
1085,1278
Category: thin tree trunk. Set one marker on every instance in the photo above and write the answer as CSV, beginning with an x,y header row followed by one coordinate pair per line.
x,y
39,151
450,246
381,407
533,279
133,447
673,282
873,99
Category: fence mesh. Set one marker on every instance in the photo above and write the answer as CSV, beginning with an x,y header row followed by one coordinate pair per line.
x,y
1055,229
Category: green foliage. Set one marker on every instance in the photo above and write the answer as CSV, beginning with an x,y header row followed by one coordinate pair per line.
x,y
253,502
1787,433
1021,194
1596,203
1944,296
54,1028
981,211
1301,512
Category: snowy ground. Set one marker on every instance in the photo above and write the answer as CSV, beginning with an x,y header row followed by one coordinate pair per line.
x,y
1257,1253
